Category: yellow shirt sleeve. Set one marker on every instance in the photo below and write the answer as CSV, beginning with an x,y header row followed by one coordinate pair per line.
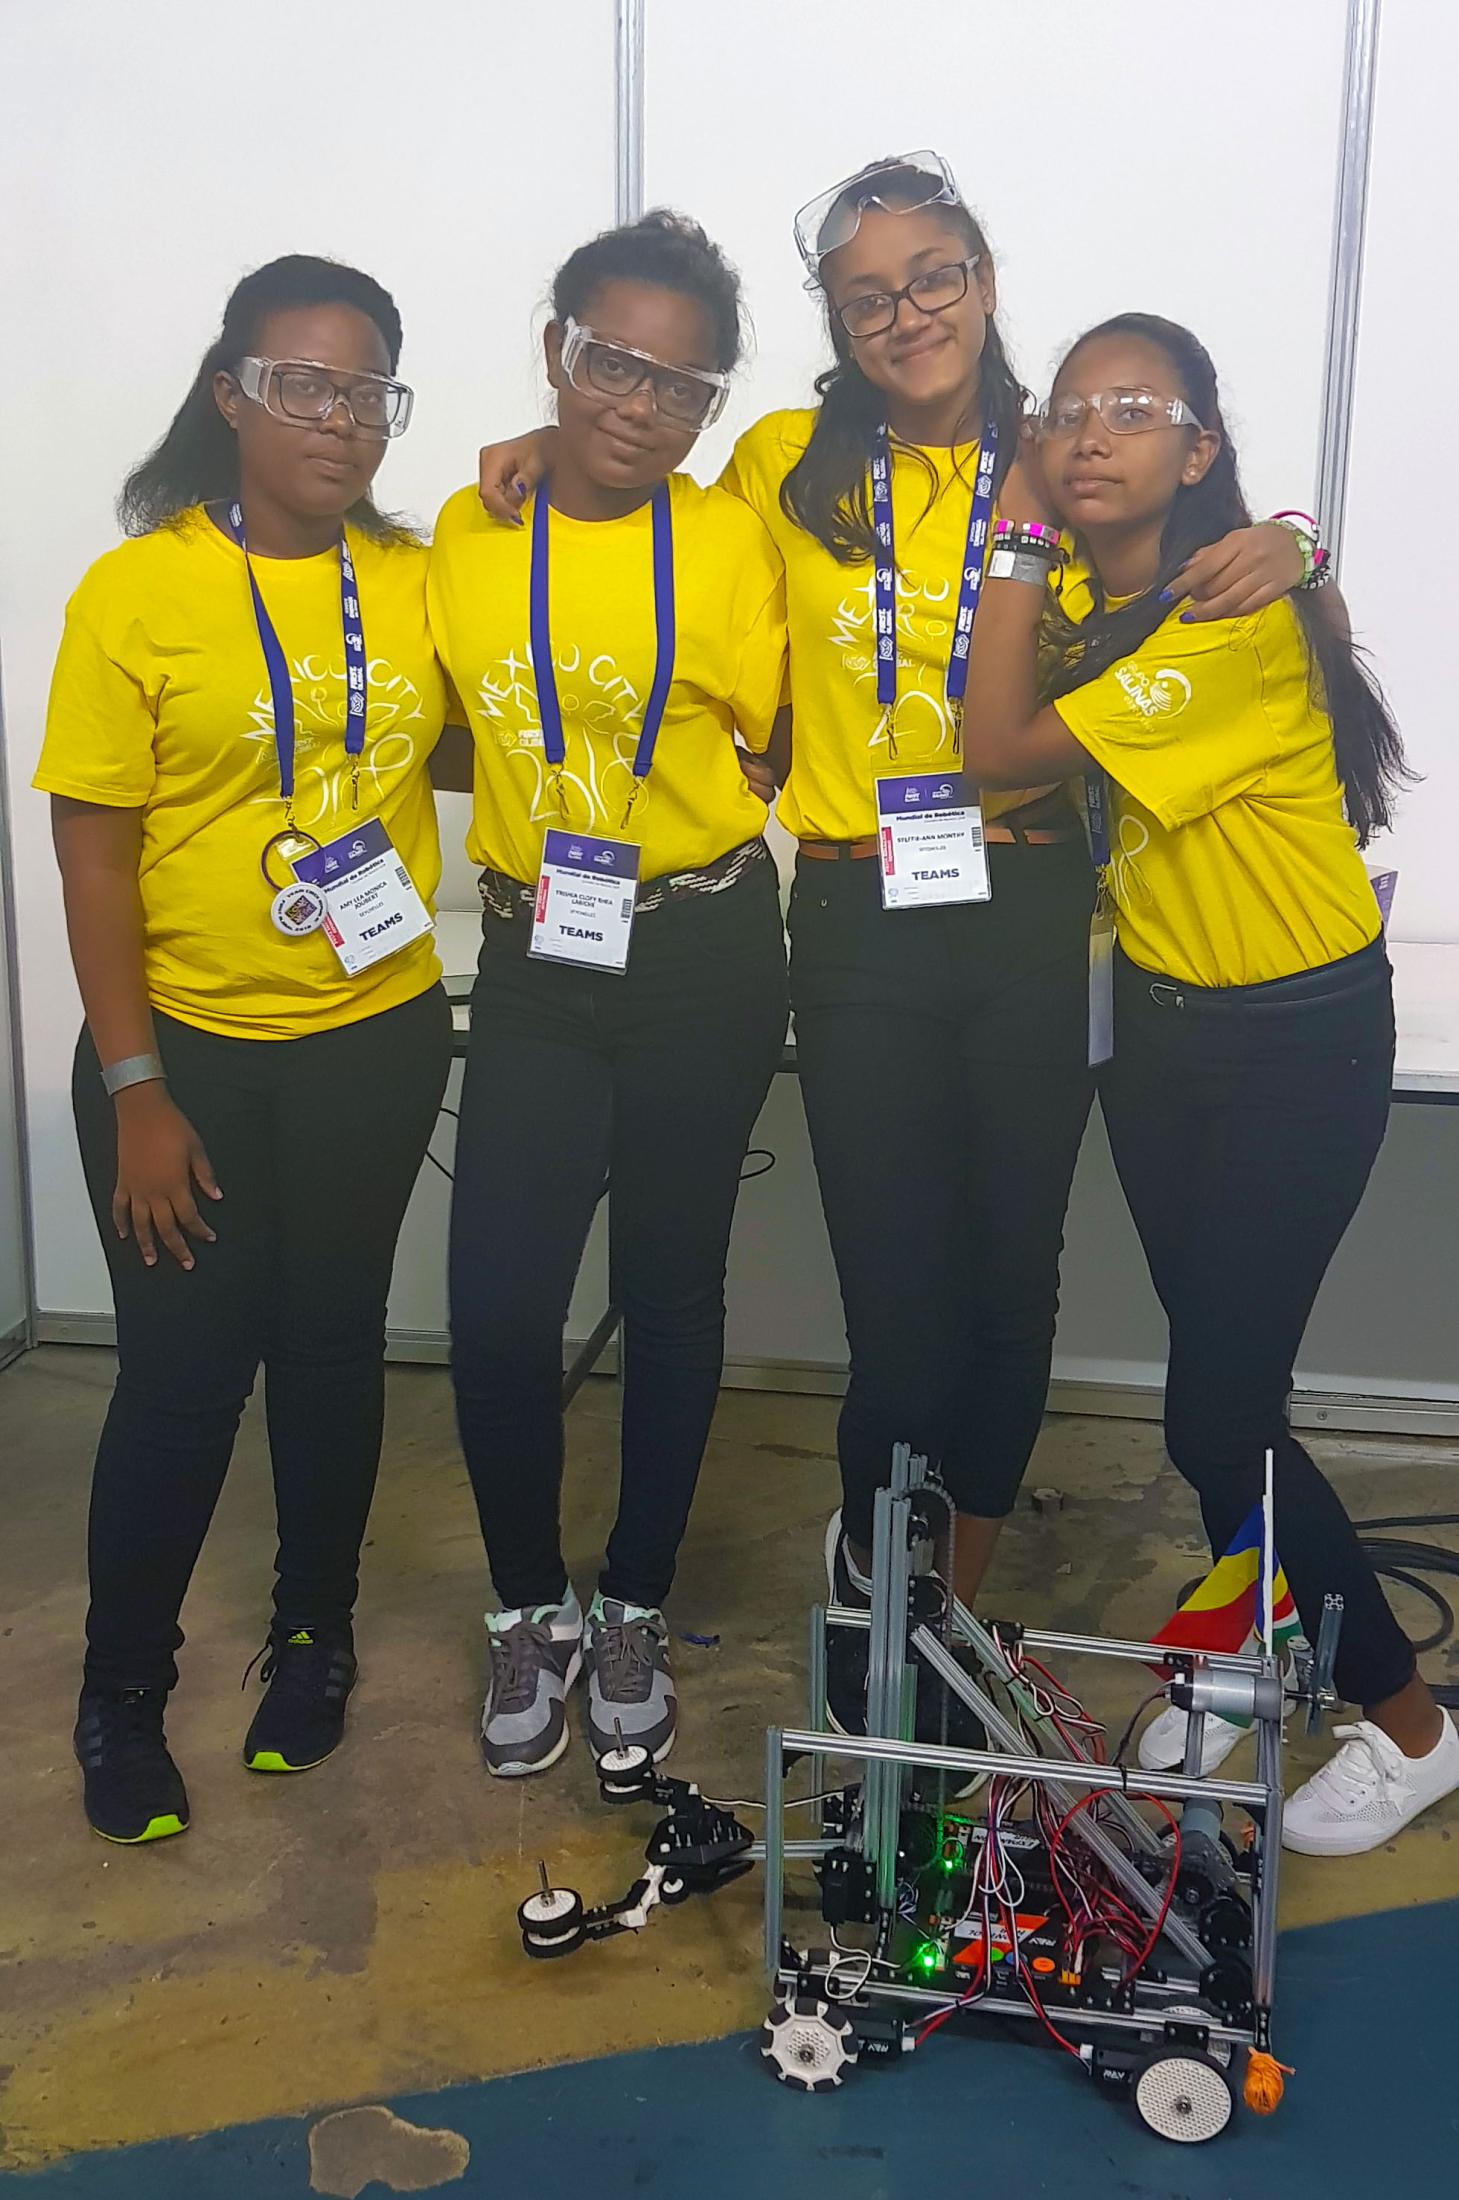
x,y
1182,724
100,721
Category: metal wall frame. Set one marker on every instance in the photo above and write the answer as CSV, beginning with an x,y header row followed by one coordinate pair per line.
x,y
12,1076
628,36
1344,300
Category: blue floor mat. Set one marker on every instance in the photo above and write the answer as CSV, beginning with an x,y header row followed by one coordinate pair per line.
x,y
1365,2014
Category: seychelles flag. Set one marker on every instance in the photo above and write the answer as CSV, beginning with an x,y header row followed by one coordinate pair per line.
x,y
1224,1611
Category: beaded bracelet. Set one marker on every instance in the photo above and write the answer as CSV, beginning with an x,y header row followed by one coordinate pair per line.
x,y
1316,562
1030,535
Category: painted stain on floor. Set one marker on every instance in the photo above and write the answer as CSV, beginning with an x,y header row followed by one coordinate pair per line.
x,y
368,2146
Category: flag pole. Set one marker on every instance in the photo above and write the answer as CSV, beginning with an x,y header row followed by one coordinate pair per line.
x,y
1268,1557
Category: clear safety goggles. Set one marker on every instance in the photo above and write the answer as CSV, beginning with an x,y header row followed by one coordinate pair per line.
x,y
689,397
1124,412
913,181
304,392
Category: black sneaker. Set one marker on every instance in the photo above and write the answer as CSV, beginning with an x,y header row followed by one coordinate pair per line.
x,y
134,1791
848,1650
308,1674
848,1657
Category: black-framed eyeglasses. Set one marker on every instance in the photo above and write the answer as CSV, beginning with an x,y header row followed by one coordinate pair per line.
x,y
875,311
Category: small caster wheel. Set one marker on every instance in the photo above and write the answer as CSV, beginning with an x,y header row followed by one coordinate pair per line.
x,y
808,2044
674,1891
1185,2096
552,1923
625,1775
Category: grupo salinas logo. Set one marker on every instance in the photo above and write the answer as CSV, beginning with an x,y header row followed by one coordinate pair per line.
x,y
1162,694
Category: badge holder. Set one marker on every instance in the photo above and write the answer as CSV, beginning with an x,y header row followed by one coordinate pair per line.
x,y
369,905
587,889
930,842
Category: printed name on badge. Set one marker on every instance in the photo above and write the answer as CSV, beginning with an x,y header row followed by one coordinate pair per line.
x,y
370,906
930,841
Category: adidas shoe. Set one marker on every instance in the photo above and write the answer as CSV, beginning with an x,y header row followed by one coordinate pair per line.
x,y
133,1790
308,1674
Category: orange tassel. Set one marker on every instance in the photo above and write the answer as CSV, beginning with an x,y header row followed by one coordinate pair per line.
x,y
1264,2082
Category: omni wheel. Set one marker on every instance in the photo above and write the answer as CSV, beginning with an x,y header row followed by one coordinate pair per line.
x,y
1185,2096
552,1922
625,1775
808,2044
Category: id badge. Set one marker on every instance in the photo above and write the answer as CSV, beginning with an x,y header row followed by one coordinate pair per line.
x,y
371,907
1101,987
586,891
1383,883
930,841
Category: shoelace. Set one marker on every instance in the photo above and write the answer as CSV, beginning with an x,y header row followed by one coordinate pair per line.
x,y
130,1722
517,1659
300,1668
1367,1764
625,1658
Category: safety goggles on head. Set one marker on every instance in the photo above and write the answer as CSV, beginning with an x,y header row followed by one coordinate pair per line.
x,y
1124,412
912,182
875,311
304,392
688,397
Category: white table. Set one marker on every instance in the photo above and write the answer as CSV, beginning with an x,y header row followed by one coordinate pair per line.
x,y
1426,999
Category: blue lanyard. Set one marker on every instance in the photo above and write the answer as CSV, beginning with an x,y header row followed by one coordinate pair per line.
x,y
549,709
1096,815
969,588
280,687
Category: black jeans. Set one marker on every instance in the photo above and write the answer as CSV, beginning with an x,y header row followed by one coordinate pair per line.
x,y
1244,1125
943,1063
648,1082
316,1143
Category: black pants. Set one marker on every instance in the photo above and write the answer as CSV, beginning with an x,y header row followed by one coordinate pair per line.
x,y
648,1082
1244,1125
316,1143
943,1063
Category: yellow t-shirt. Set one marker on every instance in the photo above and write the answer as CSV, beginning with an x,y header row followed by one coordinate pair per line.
x,y
841,733
1231,859
729,668
160,702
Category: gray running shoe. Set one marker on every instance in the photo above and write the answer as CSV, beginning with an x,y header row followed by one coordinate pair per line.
x,y
630,1687
536,1656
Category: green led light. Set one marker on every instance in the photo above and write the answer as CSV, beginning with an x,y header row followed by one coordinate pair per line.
x,y
929,1957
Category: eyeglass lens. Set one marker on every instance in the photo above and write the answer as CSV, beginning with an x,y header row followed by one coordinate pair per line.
x,y
933,292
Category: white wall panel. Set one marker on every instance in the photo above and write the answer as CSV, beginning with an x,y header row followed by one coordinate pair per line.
x,y
1177,159
149,155
1404,473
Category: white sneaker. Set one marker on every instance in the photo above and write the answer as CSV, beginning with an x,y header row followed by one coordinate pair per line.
x,y
1368,1792
1162,1745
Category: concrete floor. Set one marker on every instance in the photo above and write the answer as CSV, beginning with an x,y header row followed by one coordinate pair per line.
x,y
349,1934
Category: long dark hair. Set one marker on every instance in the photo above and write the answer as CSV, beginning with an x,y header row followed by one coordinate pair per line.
x,y
197,460
1366,742
670,252
826,491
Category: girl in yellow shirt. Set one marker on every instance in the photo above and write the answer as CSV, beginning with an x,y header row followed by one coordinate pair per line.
x,y
630,1007
1253,1010
942,1048
262,1063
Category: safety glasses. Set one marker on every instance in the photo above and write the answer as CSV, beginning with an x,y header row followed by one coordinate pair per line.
x,y
902,186
1124,412
304,392
689,397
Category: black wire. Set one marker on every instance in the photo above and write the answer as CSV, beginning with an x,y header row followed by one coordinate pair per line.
x,y
757,1153
435,1164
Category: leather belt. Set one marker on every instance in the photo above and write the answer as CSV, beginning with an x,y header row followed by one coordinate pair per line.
x,y
857,851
